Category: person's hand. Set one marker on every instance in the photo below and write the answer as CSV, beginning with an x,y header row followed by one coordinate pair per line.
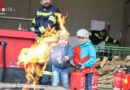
x,y
66,58
82,67
79,66
59,60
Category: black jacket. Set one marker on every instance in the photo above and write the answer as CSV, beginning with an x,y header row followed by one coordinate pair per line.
x,y
96,38
43,18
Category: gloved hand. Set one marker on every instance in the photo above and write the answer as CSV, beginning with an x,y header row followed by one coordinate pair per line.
x,y
79,66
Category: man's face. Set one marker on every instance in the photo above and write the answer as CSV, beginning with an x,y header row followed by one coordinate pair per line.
x,y
82,40
102,34
46,3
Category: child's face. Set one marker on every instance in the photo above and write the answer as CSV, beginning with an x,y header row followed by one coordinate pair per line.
x,y
46,3
82,40
64,41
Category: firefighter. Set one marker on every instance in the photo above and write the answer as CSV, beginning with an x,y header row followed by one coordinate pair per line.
x,y
44,16
98,36
46,76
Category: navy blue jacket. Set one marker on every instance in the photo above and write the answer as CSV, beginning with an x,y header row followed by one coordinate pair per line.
x,y
43,18
58,51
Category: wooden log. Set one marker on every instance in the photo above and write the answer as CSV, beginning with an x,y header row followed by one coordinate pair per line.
x,y
98,60
104,61
105,85
110,81
128,64
97,64
127,59
102,81
109,62
116,58
106,77
108,68
99,71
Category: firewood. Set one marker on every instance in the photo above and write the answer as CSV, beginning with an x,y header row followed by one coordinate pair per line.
x,y
105,77
105,85
106,81
116,58
109,62
104,61
110,81
128,64
102,81
98,59
122,63
100,72
107,68
127,59
97,64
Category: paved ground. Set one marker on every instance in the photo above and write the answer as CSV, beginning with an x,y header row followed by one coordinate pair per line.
x,y
15,86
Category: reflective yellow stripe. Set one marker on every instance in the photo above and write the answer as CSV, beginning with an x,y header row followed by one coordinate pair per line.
x,y
107,38
53,19
114,41
32,29
33,21
47,73
48,39
42,29
97,35
90,34
44,13
40,75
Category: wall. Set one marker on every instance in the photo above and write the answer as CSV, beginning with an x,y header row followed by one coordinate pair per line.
x,y
81,12
126,39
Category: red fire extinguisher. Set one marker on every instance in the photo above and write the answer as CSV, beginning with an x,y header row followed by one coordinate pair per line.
x,y
118,81
95,81
126,80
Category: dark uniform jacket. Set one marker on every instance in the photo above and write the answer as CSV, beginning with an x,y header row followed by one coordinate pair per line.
x,y
43,18
96,38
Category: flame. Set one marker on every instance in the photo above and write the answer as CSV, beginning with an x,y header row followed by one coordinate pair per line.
x,y
32,58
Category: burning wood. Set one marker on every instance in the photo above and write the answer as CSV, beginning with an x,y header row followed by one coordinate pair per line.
x,y
31,58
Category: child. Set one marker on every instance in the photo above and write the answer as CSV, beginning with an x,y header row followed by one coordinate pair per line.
x,y
62,54
85,56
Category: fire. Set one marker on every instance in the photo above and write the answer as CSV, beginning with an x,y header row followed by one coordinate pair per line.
x,y
38,54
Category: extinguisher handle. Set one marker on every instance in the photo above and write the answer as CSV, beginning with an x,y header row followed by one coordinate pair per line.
x,y
78,68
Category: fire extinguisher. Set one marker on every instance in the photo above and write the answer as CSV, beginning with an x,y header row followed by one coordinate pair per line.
x,y
126,80
118,77
95,81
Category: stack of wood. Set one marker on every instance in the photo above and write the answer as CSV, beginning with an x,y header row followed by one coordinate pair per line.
x,y
106,69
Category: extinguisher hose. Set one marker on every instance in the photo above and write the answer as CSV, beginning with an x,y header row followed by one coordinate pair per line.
x,y
77,68
4,44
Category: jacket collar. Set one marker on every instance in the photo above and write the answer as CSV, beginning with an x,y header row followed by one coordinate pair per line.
x,y
42,7
85,44
62,47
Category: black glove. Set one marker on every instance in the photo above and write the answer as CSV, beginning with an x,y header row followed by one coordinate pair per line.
x,y
78,66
